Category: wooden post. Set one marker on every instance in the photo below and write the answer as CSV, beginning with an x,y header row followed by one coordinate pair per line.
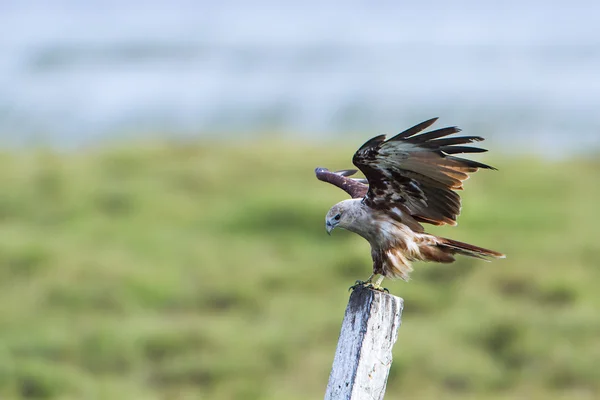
x,y
364,352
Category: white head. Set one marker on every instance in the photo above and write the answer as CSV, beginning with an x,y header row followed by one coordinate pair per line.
x,y
344,214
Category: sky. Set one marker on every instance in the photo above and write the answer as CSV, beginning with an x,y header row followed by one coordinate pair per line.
x,y
523,74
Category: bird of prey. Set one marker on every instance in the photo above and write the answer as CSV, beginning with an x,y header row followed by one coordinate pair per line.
x,y
410,179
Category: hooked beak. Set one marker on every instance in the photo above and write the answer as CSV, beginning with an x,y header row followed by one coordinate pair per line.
x,y
329,227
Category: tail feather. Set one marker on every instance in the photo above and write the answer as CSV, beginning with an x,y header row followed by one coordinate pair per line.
x,y
456,247
395,262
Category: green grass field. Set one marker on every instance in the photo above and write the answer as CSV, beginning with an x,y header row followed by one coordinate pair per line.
x,y
202,271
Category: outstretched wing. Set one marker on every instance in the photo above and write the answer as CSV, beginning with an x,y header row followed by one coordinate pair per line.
x,y
418,171
356,188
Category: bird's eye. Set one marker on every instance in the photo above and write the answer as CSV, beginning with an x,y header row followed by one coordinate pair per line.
x,y
337,217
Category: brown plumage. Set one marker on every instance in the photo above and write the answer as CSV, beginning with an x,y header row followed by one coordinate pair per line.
x,y
410,179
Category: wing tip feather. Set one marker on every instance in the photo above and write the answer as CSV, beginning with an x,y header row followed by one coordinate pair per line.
x,y
346,172
413,130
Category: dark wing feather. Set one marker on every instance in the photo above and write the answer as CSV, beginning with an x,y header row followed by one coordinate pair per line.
x,y
461,149
417,172
356,188
428,136
412,131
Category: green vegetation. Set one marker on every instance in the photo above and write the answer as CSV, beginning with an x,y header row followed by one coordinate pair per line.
x,y
202,271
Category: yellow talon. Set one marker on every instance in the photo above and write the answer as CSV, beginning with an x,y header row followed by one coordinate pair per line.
x,y
370,285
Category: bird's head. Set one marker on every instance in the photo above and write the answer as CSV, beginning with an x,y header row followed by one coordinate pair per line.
x,y
338,215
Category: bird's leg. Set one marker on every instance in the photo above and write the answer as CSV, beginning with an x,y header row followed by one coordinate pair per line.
x,y
368,281
370,285
362,283
377,284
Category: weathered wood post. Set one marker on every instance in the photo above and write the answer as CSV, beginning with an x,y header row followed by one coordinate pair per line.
x,y
364,352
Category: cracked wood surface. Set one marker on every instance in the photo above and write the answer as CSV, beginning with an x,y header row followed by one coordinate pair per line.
x,y
364,352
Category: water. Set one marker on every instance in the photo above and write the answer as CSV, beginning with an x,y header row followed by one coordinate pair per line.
x,y
526,75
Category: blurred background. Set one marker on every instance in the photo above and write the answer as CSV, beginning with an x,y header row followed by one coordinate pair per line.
x,y
162,233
